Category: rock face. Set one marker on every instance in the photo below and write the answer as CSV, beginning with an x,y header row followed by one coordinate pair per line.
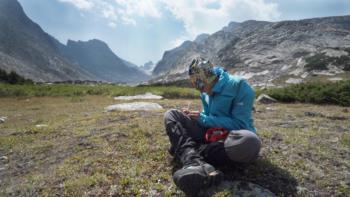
x,y
268,53
26,49
97,58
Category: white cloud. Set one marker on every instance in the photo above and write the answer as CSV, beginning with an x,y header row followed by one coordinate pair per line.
x,y
143,8
108,12
125,10
197,16
208,16
80,4
112,24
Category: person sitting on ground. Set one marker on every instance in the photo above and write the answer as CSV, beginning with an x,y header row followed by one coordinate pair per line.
x,y
222,133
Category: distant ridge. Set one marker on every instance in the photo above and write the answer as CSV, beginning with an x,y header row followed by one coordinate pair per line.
x,y
97,58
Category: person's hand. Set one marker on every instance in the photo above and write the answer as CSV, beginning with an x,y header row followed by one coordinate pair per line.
x,y
185,111
194,115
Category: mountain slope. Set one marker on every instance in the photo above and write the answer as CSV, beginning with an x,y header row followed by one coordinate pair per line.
x,y
26,49
268,53
96,57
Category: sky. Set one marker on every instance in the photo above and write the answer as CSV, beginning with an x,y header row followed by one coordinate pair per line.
x,y
142,30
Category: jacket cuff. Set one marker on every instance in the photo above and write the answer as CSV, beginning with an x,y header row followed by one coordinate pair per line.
x,y
202,118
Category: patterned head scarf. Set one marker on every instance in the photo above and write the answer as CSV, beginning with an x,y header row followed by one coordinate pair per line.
x,y
201,72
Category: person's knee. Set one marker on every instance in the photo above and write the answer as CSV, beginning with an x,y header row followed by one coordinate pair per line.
x,y
169,115
242,146
173,115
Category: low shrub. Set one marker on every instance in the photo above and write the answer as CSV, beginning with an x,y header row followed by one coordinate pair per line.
x,y
320,62
337,93
13,78
317,62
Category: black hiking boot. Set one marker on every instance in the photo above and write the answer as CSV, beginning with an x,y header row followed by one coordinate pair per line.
x,y
196,176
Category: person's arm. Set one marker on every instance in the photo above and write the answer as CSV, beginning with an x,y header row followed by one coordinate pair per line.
x,y
229,123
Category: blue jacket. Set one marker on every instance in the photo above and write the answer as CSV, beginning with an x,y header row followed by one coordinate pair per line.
x,y
231,104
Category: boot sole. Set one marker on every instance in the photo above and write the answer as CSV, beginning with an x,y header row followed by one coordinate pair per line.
x,y
191,183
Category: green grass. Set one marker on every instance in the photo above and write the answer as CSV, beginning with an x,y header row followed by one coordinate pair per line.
x,y
7,90
337,93
85,151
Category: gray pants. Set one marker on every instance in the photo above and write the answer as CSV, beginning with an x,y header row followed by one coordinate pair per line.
x,y
239,146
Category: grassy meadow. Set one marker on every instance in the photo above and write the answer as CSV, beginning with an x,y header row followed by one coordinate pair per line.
x,y
53,90
59,141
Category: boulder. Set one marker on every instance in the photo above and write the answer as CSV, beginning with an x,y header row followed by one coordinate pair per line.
x,y
265,99
147,96
135,106
2,119
41,125
4,159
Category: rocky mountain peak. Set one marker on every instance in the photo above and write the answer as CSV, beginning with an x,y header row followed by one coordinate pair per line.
x,y
92,42
201,38
269,53
230,26
12,9
96,57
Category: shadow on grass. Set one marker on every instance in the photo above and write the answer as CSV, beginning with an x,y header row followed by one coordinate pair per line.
x,y
265,174
262,172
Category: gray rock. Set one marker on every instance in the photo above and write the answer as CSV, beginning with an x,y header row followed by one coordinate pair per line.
x,y
3,119
294,81
147,96
41,126
153,192
313,114
265,99
135,106
335,79
240,188
4,159
113,190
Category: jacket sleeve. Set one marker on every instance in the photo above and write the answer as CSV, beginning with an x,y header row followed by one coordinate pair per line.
x,y
229,123
204,104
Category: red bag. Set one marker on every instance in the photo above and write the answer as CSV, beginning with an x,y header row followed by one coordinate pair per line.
x,y
216,134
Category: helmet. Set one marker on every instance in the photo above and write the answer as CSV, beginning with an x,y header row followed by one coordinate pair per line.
x,y
201,72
